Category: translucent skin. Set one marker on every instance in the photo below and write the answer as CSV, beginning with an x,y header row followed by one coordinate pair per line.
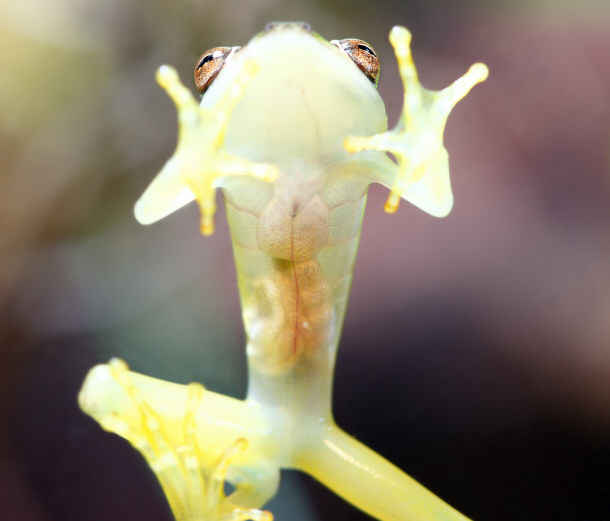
x,y
294,277
293,133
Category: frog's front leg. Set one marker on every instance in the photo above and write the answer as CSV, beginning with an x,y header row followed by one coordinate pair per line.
x,y
422,173
200,158
193,439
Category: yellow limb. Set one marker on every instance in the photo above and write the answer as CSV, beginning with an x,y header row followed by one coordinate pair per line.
x,y
191,438
422,176
200,158
370,482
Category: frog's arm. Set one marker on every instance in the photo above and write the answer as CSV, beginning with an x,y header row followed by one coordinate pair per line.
x,y
422,174
200,159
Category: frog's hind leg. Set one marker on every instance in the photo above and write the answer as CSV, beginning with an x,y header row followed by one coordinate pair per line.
x,y
368,481
194,492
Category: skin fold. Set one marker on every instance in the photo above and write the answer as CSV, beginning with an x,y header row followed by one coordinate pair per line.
x,y
293,133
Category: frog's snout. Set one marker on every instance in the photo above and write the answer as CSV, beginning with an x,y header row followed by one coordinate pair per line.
x,y
274,26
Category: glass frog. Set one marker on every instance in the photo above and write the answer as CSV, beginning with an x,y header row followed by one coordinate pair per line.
x,y
292,130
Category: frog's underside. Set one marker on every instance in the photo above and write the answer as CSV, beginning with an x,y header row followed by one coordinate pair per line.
x,y
293,133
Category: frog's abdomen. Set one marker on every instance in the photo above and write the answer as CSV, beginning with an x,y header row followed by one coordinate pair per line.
x,y
294,258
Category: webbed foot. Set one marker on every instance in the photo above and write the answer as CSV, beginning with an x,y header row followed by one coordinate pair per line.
x,y
200,158
194,490
416,142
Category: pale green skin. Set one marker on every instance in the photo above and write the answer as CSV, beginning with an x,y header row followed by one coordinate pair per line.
x,y
286,144
295,240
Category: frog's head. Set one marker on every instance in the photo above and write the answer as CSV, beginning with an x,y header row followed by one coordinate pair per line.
x,y
307,95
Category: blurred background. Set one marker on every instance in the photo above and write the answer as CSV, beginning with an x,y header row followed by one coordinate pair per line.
x,y
476,350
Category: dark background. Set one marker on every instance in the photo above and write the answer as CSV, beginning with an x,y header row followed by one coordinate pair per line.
x,y
476,351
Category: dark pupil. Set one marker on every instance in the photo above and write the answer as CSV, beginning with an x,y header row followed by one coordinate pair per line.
x,y
207,58
366,49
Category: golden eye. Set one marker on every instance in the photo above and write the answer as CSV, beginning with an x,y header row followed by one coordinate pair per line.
x,y
209,65
363,55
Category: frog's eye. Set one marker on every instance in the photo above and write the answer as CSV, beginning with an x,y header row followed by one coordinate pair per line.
x,y
363,55
209,65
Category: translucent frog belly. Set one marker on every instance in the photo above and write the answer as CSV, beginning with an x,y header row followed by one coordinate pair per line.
x,y
294,244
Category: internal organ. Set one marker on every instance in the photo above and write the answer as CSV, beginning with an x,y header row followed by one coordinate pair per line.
x,y
290,314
